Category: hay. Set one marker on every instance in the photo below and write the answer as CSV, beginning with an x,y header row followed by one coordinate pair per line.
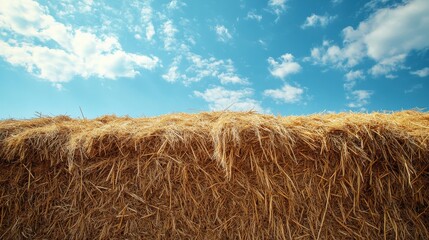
x,y
219,175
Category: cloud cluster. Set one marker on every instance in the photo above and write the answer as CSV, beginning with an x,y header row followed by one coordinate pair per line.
x,y
223,33
277,6
359,99
387,37
220,99
175,4
74,53
199,68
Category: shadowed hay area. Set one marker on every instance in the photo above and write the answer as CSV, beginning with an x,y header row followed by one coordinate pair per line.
x,y
220,175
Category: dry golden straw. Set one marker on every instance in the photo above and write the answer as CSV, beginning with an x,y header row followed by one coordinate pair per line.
x,y
220,175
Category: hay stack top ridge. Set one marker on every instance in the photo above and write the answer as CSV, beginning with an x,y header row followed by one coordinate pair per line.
x,y
216,175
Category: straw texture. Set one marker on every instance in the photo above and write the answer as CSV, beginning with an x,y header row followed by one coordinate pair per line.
x,y
220,175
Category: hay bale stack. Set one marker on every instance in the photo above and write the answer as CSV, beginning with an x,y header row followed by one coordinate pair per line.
x,y
220,175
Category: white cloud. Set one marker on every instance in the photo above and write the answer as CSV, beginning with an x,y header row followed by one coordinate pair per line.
x,y
335,56
220,99
169,31
388,65
351,78
284,67
79,53
175,4
287,93
150,31
373,5
73,7
28,18
277,6
253,16
354,75
172,75
359,99
229,77
317,20
146,21
200,68
146,18
336,2
387,37
146,14
391,76
222,33
422,72
413,88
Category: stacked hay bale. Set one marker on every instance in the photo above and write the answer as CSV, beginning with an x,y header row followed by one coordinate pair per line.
x,y
216,175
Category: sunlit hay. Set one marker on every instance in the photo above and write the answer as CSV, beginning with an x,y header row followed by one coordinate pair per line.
x,y
220,175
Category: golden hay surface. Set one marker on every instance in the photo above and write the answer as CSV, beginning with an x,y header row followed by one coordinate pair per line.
x,y
220,175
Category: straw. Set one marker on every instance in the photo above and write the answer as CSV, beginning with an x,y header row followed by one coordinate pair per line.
x,y
217,175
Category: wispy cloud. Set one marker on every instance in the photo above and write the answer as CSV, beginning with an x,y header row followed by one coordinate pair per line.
x,y
414,88
169,31
223,33
220,99
359,99
175,4
336,2
351,78
253,16
317,20
146,17
422,72
286,94
78,52
284,66
277,6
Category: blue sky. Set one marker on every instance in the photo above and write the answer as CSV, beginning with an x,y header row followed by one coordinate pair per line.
x,y
146,58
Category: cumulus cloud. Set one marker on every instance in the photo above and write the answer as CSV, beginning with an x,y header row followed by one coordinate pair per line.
x,y
333,55
317,20
422,72
359,99
284,66
220,99
78,53
222,33
387,36
286,94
